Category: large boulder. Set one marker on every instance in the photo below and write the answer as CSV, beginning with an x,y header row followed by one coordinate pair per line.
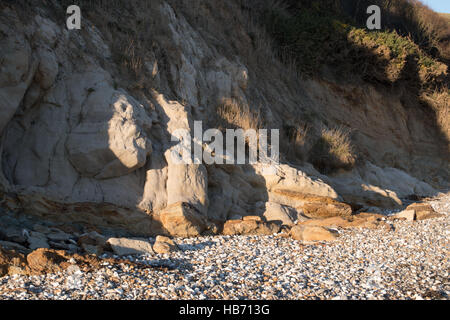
x,y
408,215
362,220
164,245
313,206
37,240
182,220
280,214
46,261
312,233
126,246
92,243
12,246
11,262
250,225
418,211
284,177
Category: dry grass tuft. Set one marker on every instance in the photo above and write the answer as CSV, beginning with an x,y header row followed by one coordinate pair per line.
x,y
232,114
333,151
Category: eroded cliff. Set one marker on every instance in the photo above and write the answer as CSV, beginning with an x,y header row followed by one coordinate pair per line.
x,y
86,118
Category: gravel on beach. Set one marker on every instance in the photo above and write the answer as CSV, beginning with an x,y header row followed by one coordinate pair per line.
x,y
409,262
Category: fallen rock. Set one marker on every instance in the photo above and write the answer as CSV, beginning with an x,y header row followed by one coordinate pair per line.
x,y
362,220
280,214
92,238
41,228
37,242
63,246
92,243
11,262
370,185
182,220
312,233
126,246
12,246
249,227
284,177
90,249
59,236
13,234
423,211
409,215
315,207
43,261
46,261
164,245
325,208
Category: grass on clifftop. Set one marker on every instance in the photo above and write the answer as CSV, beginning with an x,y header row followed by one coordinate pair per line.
x,y
316,36
330,38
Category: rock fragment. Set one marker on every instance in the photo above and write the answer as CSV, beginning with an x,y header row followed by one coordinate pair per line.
x,y
164,245
312,233
182,220
126,246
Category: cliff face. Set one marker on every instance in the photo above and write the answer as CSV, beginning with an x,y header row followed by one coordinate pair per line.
x,y
86,117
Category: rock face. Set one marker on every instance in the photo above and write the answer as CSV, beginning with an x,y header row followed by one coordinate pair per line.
x,y
89,121
371,185
111,140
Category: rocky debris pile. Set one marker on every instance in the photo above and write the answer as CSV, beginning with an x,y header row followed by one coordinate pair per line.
x,y
362,263
305,261
43,261
315,221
